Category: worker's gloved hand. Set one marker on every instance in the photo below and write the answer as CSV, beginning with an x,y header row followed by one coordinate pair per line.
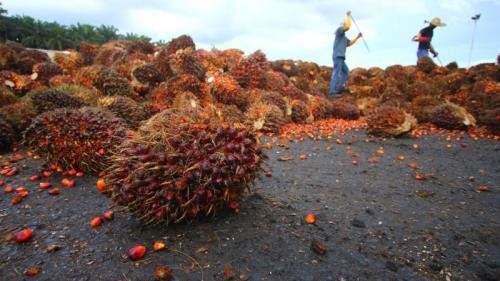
x,y
435,54
360,35
348,13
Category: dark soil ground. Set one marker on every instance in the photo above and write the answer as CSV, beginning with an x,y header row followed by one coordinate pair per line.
x,y
377,221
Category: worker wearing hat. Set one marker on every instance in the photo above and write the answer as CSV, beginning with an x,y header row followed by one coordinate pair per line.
x,y
424,38
340,71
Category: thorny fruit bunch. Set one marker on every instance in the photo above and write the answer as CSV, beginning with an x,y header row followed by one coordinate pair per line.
x,y
183,171
81,139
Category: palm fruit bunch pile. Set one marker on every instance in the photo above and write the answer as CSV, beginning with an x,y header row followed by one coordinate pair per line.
x,y
81,139
177,168
387,120
427,88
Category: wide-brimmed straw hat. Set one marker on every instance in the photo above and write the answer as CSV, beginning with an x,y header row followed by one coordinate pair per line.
x,y
437,22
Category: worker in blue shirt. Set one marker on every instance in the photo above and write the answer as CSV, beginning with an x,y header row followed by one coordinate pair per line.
x,y
340,71
424,38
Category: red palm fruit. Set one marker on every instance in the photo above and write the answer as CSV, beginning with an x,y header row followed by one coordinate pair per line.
x,y
23,235
96,222
80,174
101,185
136,252
68,183
1,183
47,174
35,178
310,218
8,189
72,172
54,191
45,185
16,200
109,215
159,245
269,174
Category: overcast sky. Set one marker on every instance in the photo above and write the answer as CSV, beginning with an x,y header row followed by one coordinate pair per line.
x,y
293,29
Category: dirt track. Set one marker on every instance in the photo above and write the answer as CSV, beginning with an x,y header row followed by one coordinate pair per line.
x,y
377,221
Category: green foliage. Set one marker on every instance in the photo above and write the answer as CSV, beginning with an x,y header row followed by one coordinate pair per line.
x,y
34,33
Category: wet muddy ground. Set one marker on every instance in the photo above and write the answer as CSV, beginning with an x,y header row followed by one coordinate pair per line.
x,y
377,221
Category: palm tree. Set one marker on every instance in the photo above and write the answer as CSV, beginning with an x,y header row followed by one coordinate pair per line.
x,y
106,33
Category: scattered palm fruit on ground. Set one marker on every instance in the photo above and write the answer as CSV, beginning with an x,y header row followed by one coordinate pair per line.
x,y
137,252
75,138
177,168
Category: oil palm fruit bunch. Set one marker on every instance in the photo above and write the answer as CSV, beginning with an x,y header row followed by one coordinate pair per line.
x,y
147,74
294,93
87,76
422,106
187,61
319,107
299,111
6,96
88,96
264,117
288,67
140,46
28,58
110,83
161,96
69,61
179,43
8,57
18,115
268,97
451,116
88,52
275,81
47,99
189,83
176,168
20,84
343,110
224,88
7,134
44,71
82,138
109,55
250,72
123,107
231,114
387,120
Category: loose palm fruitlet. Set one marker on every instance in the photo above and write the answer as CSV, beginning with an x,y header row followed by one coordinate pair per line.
x,y
176,168
387,120
81,139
